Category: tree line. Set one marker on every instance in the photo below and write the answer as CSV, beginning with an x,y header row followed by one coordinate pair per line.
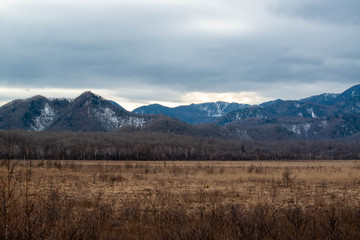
x,y
136,145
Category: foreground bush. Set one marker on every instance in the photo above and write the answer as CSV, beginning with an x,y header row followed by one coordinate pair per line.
x,y
56,216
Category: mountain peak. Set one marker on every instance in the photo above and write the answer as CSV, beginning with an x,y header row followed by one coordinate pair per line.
x,y
36,97
89,94
352,92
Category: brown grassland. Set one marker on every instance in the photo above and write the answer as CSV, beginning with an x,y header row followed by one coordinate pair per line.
x,y
179,200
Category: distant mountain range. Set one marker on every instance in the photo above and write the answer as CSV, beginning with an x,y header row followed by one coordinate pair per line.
x,y
322,117
193,113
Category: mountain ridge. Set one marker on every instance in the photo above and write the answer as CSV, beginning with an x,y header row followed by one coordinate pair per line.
x,y
87,112
193,113
320,117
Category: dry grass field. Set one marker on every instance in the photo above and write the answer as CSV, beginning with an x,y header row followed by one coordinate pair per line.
x,y
179,200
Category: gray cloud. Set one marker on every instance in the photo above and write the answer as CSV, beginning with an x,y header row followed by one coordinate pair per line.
x,y
327,11
220,46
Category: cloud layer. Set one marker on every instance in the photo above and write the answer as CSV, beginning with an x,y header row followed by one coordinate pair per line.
x,y
164,50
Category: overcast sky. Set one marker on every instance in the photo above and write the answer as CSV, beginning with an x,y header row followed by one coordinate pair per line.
x,y
174,52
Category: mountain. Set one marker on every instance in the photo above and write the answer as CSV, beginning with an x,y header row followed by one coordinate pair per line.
x,y
349,101
323,105
325,116
281,109
193,113
36,113
266,104
88,112
351,95
321,117
295,128
324,99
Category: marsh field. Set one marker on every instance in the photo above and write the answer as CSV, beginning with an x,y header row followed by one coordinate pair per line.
x,y
179,199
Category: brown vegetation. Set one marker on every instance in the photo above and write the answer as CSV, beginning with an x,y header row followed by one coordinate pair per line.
x,y
179,200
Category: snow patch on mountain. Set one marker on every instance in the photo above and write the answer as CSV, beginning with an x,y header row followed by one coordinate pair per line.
x,y
107,118
329,96
300,128
133,121
311,111
323,124
307,127
220,109
44,119
216,109
296,129
110,121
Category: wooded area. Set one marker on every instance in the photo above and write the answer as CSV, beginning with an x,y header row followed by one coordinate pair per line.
x,y
136,145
